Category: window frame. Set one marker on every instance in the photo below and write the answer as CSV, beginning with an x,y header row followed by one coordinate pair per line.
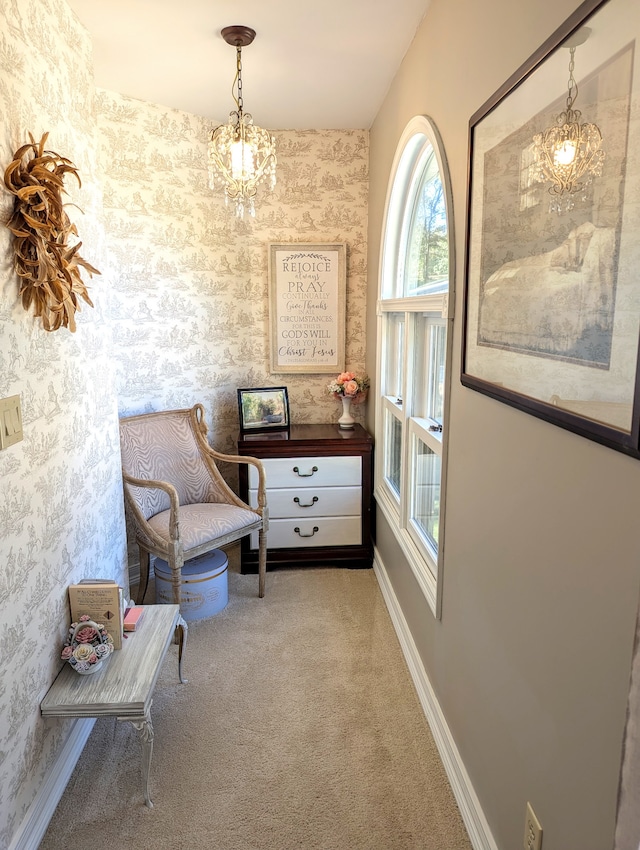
x,y
434,304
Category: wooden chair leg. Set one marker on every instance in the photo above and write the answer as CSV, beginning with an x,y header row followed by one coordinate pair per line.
x,y
176,561
143,582
262,561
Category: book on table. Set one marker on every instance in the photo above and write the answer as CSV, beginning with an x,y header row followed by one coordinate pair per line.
x,y
133,617
101,600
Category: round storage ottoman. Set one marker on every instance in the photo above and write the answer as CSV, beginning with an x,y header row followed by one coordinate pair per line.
x,y
203,589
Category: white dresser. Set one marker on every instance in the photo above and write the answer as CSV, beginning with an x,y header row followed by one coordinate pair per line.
x,y
318,493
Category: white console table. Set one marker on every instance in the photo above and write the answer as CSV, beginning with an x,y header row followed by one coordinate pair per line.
x,y
124,688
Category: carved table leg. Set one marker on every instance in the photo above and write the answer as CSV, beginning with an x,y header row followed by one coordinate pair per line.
x,y
180,638
145,731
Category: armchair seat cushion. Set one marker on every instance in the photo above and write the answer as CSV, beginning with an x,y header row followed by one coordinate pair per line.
x,y
203,522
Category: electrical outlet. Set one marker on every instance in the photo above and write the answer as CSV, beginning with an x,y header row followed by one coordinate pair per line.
x,y
532,831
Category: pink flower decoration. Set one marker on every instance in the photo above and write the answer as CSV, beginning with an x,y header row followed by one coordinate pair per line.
x,y
350,387
86,635
67,652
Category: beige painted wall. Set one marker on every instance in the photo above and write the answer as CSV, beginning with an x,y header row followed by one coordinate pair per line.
x,y
531,660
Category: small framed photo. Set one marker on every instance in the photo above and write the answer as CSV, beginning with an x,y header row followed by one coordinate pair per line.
x,y
263,409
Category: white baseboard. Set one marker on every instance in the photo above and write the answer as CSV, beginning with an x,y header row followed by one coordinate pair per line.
x,y
33,827
468,803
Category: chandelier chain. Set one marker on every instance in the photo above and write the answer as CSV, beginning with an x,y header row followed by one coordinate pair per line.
x,y
239,78
571,83
241,156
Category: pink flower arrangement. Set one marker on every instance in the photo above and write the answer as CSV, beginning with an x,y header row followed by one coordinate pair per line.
x,y
349,385
86,645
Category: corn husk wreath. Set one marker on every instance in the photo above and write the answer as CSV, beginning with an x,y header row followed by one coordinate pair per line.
x,y
48,268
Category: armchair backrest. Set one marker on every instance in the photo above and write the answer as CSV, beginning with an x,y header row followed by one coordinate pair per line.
x,y
163,447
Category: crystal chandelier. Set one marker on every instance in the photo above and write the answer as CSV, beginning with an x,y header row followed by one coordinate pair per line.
x,y
241,155
569,150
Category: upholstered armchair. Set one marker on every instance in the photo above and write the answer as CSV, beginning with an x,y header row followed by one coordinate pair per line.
x,y
180,505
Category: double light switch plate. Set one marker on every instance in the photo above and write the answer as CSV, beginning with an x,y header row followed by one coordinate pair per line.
x,y
10,421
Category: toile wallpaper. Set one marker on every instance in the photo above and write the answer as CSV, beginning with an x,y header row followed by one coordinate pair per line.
x,y
61,512
190,281
181,315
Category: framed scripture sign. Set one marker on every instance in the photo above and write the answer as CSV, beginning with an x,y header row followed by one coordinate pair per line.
x,y
552,295
307,294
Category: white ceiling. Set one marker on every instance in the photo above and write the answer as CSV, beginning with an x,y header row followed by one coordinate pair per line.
x,y
321,65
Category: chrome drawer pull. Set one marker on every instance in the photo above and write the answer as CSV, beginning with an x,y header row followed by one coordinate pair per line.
x,y
297,531
305,474
308,505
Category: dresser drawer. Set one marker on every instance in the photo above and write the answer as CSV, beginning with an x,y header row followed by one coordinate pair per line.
x,y
317,531
309,472
311,501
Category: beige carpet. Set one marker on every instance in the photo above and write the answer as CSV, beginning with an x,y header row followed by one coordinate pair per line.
x,y
299,728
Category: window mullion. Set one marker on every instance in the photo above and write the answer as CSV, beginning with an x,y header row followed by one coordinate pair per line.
x,y
407,408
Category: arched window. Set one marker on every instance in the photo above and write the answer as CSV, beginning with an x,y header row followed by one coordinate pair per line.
x,y
416,280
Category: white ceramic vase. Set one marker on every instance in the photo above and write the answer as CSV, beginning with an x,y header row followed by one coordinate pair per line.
x,y
346,420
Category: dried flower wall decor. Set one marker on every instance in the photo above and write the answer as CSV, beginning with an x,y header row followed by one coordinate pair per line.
x,y
48,267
